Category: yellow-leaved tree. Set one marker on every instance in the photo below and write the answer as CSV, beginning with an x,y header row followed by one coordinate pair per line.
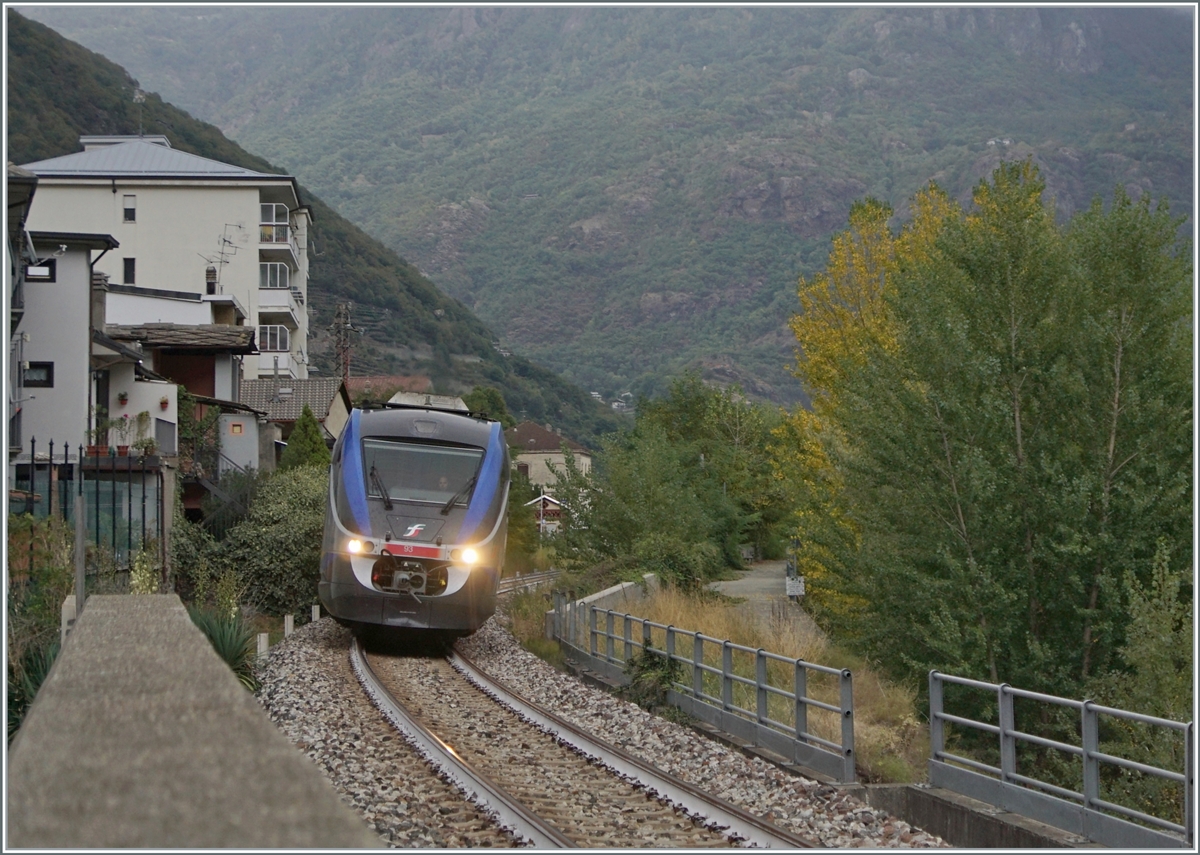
x,y
844,316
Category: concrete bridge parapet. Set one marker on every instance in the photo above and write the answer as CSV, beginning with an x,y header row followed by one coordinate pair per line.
x,y
142,737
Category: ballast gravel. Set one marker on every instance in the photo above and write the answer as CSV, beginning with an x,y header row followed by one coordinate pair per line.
x,y
818,811
309,690
311,693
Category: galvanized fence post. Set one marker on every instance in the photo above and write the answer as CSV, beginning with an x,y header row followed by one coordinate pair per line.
x,y
628,628
1008,745
937,729
801,703
726,675
847,704
697,666
760,683
1189,786
670,641
592,646
608,635
1090,733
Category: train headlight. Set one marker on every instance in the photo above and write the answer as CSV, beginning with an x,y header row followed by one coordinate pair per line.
x,y
470,556
354,546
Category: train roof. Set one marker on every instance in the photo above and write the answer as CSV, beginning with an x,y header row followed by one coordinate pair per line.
x,y
429,424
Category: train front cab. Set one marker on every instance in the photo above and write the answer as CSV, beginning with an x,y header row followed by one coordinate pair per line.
x,y
409,566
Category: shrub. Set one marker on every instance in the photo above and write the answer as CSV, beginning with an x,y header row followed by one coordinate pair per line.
x,y
276,550
40,577
232,639
143,577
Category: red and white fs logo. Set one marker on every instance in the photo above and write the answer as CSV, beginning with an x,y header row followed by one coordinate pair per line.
x,y
414,530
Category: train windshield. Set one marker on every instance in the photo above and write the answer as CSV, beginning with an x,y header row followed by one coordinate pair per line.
x,y
413,472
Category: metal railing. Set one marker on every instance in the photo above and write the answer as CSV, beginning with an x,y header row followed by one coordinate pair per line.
x,y
742,695
1085,812
124,494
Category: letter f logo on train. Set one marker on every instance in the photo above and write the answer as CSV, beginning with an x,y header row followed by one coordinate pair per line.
x,y
414,530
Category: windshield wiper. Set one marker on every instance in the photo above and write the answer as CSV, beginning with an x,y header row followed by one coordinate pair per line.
x,y
378,482
460,495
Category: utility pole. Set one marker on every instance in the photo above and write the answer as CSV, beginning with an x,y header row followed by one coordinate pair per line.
x,y
343,331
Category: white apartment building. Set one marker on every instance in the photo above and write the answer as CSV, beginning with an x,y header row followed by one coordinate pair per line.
x,y
190,225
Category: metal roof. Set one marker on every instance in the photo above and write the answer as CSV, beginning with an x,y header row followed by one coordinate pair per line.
x,y
140,158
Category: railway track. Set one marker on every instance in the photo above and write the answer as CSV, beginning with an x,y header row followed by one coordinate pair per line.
x,y
548,782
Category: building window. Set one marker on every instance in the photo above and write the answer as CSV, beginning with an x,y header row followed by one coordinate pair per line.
x,y
273,338
131,209
39,375
272,274
129,271
273,223
43,271
523,469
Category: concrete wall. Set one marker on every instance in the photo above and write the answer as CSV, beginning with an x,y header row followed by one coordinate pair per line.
x,y
141,737
179,231
56,318
622,598
239,440
142,309
145,396
539,463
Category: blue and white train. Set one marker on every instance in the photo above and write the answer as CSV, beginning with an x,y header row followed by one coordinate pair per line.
x,y
417,519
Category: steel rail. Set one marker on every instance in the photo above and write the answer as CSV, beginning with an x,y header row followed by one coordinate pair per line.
x,y
736,821
481,789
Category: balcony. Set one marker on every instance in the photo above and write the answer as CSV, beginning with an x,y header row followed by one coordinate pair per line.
x,y
277,242
266,364
279,306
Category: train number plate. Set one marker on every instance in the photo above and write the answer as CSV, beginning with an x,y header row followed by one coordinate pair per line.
x,y
413,549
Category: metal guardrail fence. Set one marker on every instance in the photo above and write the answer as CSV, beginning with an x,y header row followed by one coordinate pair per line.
x,y
734,702
1084,813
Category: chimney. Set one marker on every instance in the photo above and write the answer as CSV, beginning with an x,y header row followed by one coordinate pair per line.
x,y
210,280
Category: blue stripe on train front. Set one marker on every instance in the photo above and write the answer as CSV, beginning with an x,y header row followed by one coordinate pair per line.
x,y
485,487
353,480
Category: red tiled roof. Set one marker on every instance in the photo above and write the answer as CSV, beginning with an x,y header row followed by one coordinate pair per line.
x,y
528,436
388,383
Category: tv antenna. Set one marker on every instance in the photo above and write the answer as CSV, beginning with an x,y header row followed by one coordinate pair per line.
x,y
226,248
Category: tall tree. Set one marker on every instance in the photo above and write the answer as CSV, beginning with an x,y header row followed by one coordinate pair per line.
x,y
1014,442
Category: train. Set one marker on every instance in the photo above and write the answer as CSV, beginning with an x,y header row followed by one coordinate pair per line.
x,y
416,522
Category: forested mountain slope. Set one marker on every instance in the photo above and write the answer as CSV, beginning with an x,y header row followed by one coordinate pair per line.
x,y
622,193
58,90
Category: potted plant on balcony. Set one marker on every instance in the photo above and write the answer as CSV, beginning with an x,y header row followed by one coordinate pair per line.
x,y
144,442
122,426
146,445
99,430
164,402
122,398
